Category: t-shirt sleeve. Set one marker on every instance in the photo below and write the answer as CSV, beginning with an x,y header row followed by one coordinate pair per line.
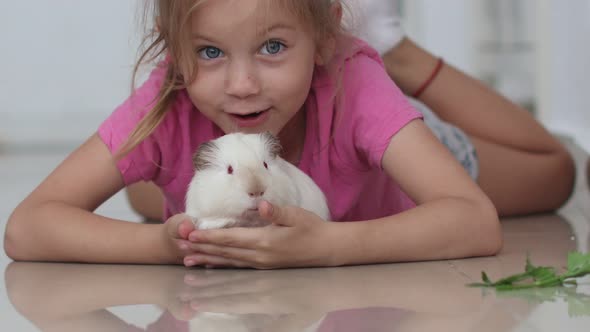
x,y
142,162
374,109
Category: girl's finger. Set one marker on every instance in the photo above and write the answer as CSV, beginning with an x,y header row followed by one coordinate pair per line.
x,y
238,237
213,261
185,228
246,255
179,226
184,246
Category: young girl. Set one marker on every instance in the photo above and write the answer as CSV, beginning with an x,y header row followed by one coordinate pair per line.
x,y
283,66
513,158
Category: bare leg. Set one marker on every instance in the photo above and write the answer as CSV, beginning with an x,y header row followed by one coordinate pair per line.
x,y
523,168
146,199
520,182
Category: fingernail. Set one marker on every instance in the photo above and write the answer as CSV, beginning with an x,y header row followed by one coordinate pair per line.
x,y
183,246
193,237
190,262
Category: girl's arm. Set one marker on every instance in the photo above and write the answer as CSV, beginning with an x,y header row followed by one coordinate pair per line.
x,y
453,217
56,223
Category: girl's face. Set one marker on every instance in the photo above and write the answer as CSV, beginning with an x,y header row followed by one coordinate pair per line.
x,y
255,65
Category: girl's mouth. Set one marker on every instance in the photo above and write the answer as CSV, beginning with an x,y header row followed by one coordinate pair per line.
x,y
252,119
251,115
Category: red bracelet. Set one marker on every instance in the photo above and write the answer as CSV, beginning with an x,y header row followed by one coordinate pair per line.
x,y
439,65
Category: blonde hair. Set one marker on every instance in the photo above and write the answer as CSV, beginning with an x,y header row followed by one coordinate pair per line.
x,y
167,34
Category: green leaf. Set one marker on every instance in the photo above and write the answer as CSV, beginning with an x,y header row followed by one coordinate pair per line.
x,y
577,261
542,273
479,284
512,279
540,283
540,276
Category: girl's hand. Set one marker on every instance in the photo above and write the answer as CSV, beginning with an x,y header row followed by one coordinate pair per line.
x,y
295,238
175,234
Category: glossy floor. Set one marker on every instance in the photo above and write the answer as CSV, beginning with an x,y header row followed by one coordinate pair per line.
x,y
428,296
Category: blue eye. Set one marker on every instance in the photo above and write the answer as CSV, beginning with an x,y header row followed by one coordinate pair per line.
x,y
272,47
210,52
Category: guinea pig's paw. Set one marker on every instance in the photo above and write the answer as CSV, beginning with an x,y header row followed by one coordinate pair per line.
x,y
213,223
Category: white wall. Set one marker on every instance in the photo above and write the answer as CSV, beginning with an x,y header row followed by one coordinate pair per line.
x,y
564,67
65,64
444,28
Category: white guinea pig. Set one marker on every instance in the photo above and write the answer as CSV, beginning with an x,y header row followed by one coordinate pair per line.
x,y
235,172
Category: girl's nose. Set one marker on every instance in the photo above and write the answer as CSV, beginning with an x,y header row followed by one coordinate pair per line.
x,y
242,81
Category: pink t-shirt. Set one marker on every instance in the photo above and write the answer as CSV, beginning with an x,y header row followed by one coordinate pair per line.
x,y
343,145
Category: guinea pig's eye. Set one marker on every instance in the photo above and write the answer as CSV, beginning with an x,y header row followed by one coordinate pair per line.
x,y
230,170
265,165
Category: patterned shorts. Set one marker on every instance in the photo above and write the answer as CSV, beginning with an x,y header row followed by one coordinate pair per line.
x,y
452,137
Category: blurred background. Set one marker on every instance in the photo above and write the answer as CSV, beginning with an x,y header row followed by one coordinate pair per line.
x,y
66,64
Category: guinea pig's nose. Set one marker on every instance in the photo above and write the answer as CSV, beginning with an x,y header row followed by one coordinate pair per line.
x,y
256,194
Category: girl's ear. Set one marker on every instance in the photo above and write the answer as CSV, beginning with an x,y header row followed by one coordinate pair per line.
x,y
337,11
158,24
325,53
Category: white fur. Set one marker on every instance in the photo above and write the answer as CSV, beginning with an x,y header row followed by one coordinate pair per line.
x,y
216,199
375,21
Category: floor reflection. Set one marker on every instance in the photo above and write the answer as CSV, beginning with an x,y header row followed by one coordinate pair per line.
x,y
408,297
68,297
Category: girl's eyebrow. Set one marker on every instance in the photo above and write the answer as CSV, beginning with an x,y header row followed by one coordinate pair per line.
x,y
199,36
277,26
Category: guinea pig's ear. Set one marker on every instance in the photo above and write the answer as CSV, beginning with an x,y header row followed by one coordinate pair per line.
x,y
272,144
205,155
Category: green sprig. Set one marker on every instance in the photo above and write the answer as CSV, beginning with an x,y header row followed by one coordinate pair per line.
x,y
578,265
